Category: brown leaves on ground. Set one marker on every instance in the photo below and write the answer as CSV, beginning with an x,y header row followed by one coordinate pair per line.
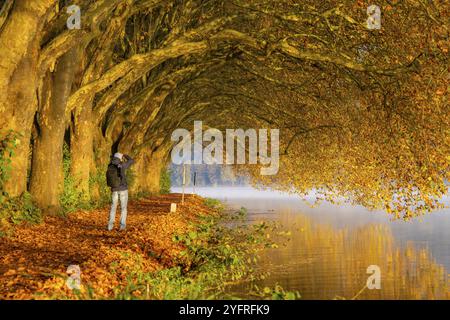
x,y
34,261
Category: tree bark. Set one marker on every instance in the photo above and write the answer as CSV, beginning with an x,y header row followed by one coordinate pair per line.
x,y
47,179
81,148
19,49
99,163
147,169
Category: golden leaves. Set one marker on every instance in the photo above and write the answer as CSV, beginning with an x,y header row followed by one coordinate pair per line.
x,y
34,259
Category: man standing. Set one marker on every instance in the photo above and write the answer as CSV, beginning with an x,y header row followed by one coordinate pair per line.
x,y
117,181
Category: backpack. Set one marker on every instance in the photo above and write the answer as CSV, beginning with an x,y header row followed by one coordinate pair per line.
x,y
113,179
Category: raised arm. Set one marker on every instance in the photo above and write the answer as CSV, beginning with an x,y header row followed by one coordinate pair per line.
x,y
127,163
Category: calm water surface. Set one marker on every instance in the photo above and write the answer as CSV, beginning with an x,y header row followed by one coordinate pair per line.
x,y
330,247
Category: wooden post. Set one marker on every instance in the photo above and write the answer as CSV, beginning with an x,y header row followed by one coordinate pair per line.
x,y
193,185
184,182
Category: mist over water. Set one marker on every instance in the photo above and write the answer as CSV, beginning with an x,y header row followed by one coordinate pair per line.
x,y
331,246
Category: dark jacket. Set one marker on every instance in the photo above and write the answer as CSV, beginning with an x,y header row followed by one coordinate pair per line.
x,y
123,166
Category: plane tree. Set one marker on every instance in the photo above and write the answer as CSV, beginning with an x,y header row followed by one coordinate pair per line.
x,y
363,113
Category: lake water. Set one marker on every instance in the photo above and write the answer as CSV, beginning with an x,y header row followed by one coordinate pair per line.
x,y
330,247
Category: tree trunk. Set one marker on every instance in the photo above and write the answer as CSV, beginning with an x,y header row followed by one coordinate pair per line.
x,y
81,148
47,179
147,169
21,95
99,163
19,45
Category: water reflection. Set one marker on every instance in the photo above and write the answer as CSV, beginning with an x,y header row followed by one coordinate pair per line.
x,y
331,247
323,262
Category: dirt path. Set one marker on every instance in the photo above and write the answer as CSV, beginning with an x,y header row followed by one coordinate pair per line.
x,y
35,259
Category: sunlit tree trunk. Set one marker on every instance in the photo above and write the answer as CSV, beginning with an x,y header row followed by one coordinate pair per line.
x,y
99,160
152,173
81,148
147,173
19,49
46,174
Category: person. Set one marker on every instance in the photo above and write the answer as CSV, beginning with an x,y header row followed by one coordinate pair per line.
x,y
120,163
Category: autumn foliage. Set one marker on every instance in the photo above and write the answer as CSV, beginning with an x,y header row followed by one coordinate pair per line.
x,y
363,113
35,259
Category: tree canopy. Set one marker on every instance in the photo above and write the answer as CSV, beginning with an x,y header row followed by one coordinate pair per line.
x,y
363,113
